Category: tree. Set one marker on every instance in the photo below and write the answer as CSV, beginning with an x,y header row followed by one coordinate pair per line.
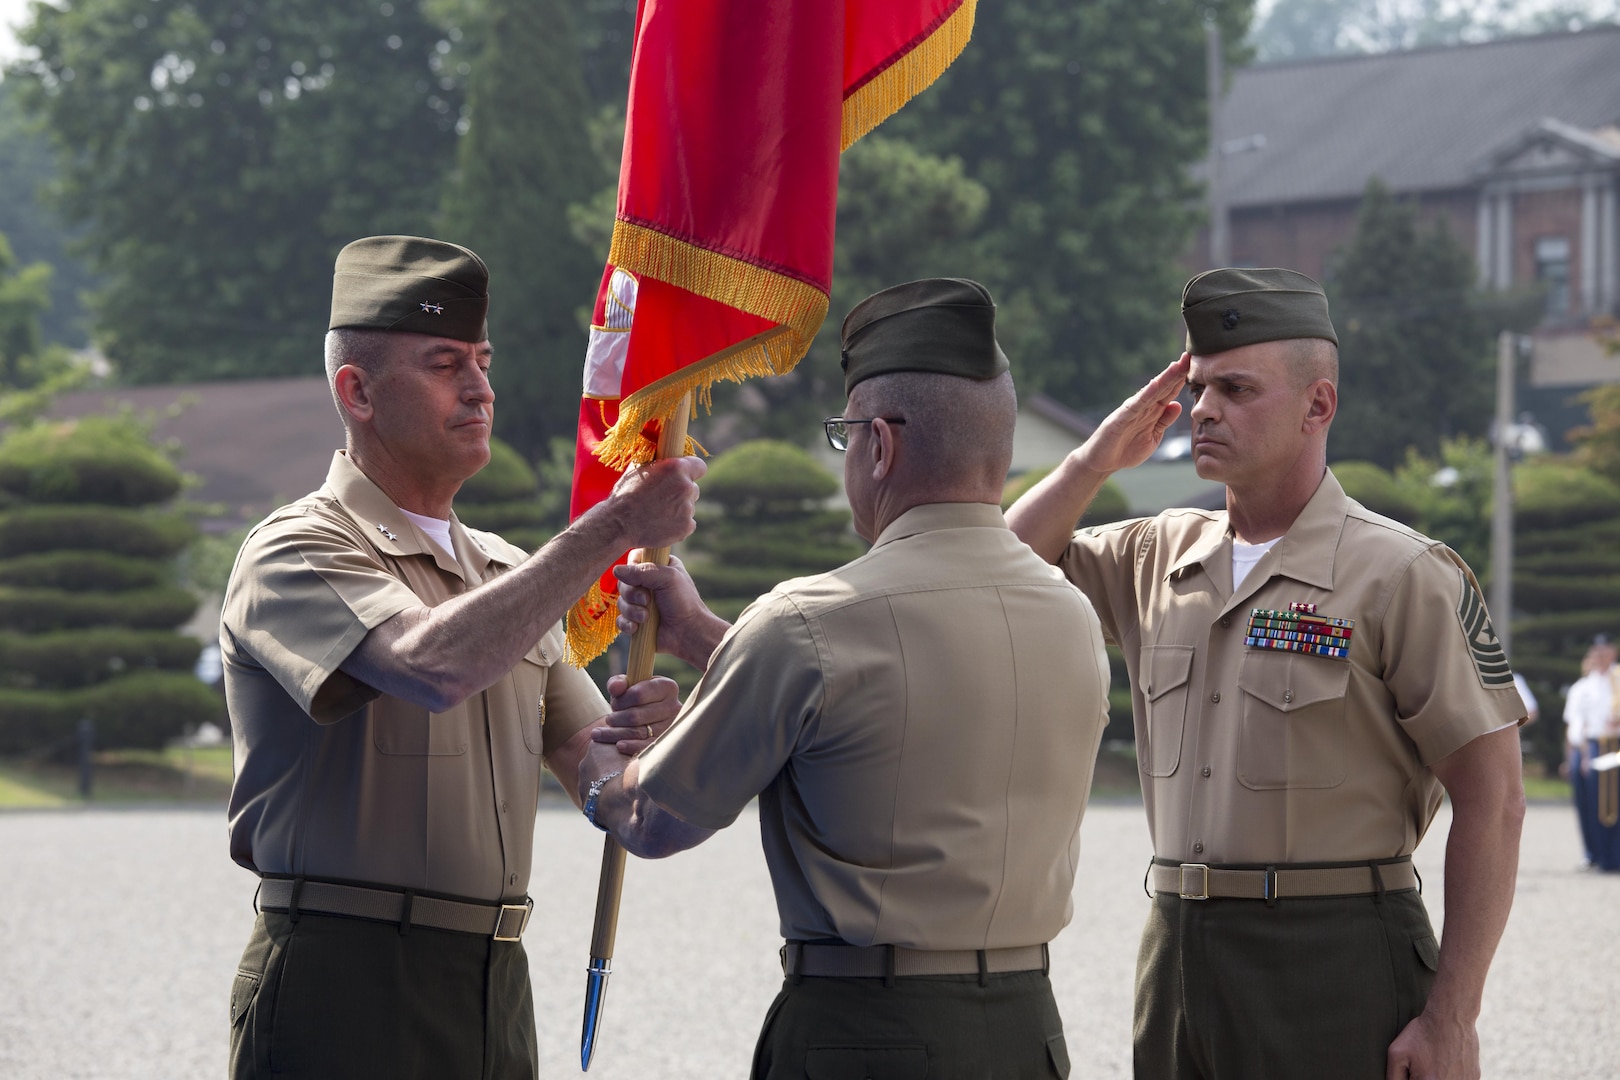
x,y
1454,495
1415,340
503,498
36,234
30,370
88,600
1081,121
217,153
525,159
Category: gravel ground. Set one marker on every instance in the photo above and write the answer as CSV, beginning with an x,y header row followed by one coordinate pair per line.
x,y
119,931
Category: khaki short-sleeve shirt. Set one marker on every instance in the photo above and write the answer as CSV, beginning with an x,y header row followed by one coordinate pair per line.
x,y
333,779
1264,755
921,733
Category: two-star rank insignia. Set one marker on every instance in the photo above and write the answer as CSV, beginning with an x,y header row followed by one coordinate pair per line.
x,y
1299,629
386,531
1486,648
432,309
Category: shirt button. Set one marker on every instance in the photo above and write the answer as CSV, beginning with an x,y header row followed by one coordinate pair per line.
x,y
1226,620
1205,770
1215,697
504,806
1288,695
1198,848
513,879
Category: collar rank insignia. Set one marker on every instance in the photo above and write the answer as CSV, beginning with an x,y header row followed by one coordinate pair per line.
x,y
386,531
432,309
1299,629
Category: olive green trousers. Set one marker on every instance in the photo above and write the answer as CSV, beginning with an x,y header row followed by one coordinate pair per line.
x,y
1304,989
332,998
939,1026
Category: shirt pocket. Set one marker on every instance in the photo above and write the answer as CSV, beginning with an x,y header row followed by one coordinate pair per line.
x,y
529,681
1293,725
398,727
1165,670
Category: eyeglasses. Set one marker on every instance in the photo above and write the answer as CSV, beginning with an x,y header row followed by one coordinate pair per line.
x,y
838,428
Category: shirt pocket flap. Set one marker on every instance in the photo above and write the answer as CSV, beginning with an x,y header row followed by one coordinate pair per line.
x,y
1307,681
1165,668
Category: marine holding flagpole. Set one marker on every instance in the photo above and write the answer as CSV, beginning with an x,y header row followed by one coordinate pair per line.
x,y
395,685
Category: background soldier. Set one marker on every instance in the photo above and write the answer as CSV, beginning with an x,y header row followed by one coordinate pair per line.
x,y
1306,676
393,686
920,725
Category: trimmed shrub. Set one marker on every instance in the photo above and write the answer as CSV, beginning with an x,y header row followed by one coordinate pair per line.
x,y
40,610
81,571
142,711
758,476
1553,494
1109,504
30,529
73,659
501,517
1375,488
506,477
97,459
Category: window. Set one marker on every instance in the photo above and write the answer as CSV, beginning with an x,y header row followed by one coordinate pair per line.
x,y
1552,268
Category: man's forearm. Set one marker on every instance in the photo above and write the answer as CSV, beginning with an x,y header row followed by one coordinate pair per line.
x,y
1045,516
437,657
645,829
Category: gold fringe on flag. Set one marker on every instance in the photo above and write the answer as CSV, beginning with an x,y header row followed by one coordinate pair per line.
x,y
591,626
912,72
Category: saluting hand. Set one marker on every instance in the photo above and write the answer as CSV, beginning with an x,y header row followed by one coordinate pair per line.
x,y
1133,431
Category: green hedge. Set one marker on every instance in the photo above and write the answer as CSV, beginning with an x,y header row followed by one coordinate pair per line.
x,y
741,581
31,529
1593,537
1534,592
502,516
766,471
1375,488
1600,562
82,571
1555,494
506,477
71,659
1108,505
742,550
139,711
39,610
97,459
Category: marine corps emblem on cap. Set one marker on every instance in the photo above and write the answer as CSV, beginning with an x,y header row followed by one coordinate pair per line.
x,y
411,284
946,326
1229,308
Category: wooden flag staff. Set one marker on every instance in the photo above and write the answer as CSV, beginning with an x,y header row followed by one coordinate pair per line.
x,y
639,668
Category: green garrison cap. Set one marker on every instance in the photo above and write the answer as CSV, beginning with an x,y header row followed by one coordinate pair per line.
x,y
412,284
942,325
1230,308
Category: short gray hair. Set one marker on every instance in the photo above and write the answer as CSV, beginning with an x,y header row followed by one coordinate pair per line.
x,y
364,349
962,427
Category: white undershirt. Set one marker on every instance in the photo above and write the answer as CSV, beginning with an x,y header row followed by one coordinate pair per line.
x,y
1244,556
438,530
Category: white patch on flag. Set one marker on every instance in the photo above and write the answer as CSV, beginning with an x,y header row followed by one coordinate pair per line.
x,y
610,342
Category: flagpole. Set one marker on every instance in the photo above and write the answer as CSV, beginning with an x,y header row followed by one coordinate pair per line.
x,y
643,648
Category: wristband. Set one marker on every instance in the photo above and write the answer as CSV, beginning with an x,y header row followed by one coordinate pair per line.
x,y
595,793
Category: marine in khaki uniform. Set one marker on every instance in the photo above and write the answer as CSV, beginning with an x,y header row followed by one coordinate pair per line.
x,y
920,726
394,690
1308,679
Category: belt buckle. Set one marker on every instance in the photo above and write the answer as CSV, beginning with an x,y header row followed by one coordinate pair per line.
x,y
1203,892
524,909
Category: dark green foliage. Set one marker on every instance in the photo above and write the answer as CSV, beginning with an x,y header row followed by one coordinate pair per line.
x,y
217,153
36,610
1081,121
139,711
1377,490
1556,495
98,459
1453,496
72,659
524,160
37,236
764,519
81,571
1416,350
141,533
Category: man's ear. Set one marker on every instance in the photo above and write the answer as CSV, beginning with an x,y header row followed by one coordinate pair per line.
x,y
1322,405
353,386
884,445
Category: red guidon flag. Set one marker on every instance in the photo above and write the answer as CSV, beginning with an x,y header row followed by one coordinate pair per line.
x,y
723,245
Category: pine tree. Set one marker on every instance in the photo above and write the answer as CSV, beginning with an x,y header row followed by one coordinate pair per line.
x,y
524,160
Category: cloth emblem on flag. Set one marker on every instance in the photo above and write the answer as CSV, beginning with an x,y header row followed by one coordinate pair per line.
x,y
720,266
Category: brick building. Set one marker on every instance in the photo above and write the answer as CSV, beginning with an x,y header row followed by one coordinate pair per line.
x,y
1515,143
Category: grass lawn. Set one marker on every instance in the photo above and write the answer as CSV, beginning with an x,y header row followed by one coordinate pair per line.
x,y
121,776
